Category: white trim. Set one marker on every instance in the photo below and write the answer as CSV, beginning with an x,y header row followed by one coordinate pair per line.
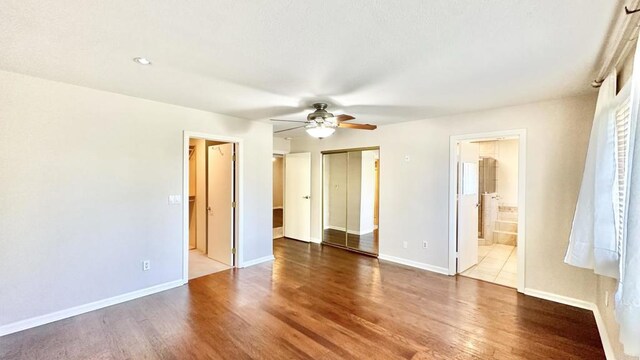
x,y
81,309
521,135
604,335
316,240
239,240
257,261
559,298
415,264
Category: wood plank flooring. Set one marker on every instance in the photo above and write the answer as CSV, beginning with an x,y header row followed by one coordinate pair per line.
x,y
319,302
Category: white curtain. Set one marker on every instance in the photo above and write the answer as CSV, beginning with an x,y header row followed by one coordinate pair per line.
x,y
628,294
592,243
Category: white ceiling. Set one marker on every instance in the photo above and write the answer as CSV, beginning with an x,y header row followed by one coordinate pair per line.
x,y
381,61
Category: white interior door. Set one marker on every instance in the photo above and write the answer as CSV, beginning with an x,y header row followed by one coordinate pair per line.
x,y
297,196
468,156
220,197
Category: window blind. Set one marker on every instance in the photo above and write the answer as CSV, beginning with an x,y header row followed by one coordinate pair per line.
x,y
621,154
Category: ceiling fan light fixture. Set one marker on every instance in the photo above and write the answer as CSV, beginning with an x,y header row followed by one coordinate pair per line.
x,y
333,121
320,132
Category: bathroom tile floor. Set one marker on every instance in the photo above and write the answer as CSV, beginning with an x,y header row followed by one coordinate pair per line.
x,y
201,265
497,263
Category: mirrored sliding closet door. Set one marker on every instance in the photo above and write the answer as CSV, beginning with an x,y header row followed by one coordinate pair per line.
x,y
350,191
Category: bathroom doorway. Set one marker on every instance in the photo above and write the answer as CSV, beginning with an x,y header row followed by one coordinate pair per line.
x,y
488,204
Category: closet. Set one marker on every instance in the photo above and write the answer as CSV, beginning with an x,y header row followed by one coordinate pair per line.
x,y
350,186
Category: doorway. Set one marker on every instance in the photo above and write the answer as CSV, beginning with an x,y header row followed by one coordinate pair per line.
x,y
278,195
487,202
211,214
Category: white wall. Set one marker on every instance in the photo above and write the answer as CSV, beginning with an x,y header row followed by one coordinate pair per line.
x,y
354,189
367,191
414,194
281,146
85,179
336,191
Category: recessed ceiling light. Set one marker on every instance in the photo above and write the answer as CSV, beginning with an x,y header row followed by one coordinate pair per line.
x,y
142,61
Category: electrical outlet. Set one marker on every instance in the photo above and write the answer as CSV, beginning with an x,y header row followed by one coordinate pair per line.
x,y
425,244
146,265
404,244
606,298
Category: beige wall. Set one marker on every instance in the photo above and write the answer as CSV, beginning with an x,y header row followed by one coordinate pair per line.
x,y
606,288
278,181
506,154
85,180
414,194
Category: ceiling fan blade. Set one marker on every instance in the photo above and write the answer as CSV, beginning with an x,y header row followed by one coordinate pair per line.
x,y
293,128
344,117
358,126
293,121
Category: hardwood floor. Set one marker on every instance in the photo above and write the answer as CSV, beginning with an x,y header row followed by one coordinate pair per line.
x,y
319,302
366,242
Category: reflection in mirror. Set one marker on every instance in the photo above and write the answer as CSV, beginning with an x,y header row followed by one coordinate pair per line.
x,y
362,229
334,198
350,199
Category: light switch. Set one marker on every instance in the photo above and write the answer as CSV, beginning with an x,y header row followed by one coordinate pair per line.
x,y
175,199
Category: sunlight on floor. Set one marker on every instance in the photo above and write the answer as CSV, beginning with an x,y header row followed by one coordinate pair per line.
x,y
497,264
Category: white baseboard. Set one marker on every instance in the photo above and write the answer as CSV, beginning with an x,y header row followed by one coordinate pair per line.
x,y
316,240
415,264
604,335
559,298
602,329
257,261
81,309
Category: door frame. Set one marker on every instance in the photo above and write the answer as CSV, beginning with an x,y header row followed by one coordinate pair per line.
x,y
238,186
521,134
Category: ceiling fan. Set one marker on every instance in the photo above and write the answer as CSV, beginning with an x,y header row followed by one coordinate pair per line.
x,y
321,123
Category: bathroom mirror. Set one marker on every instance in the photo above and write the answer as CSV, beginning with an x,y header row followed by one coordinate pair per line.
x,y
350,199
